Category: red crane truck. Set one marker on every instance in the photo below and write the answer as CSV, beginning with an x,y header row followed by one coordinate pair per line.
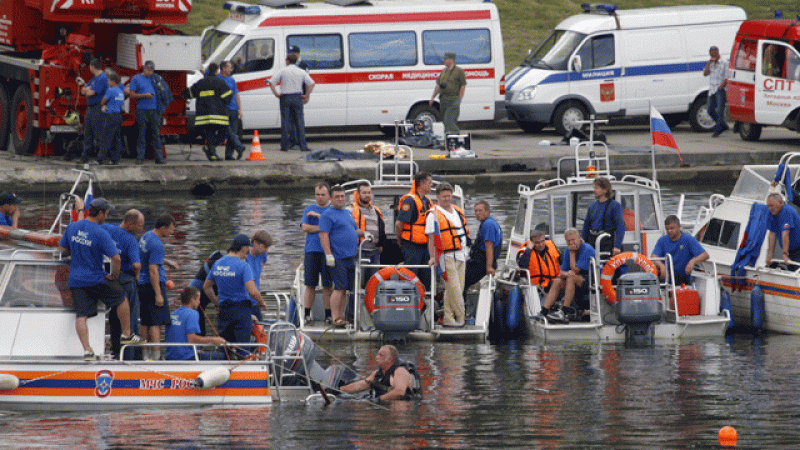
x,y
45,50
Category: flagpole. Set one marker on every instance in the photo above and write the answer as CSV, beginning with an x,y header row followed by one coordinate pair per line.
x,y
652,145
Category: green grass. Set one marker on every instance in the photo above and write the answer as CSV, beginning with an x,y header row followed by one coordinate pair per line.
x,y
525,22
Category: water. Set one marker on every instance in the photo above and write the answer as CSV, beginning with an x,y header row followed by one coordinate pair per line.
x,y
516,395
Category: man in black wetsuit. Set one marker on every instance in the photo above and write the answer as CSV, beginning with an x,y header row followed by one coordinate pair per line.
x,y
390,382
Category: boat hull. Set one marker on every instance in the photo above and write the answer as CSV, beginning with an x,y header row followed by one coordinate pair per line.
x,y
781,299
687,327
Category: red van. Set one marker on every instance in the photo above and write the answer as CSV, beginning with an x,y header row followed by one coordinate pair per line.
x,y
764,83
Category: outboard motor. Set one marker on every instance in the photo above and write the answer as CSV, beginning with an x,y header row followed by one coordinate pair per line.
x,y
638,306
397,308
290,347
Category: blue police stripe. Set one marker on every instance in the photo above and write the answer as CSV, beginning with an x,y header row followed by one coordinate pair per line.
x,y
635,71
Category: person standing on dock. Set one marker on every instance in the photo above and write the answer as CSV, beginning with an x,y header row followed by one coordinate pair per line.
x,y
87,243
296,86
450,87
717,70
234,143
142,89
153,282
94,91
410,226
213,96
314,265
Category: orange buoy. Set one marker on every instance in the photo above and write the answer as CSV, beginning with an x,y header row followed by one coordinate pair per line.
x,y
614,263
170,284
728,436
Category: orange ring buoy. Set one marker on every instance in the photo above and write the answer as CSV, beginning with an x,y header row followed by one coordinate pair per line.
x,y
385,274
615,263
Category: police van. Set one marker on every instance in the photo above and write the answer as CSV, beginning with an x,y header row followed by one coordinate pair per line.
x,y
372,62
615,63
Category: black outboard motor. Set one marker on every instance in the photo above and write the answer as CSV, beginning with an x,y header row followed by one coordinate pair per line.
x,y
398,308
638,306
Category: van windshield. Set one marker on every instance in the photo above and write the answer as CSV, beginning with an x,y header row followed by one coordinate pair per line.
x,y
553,53
214,40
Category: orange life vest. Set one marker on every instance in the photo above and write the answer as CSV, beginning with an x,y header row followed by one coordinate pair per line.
x,y
451,234
543,270
361,222
414,232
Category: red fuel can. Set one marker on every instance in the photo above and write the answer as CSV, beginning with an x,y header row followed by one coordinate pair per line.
x,y
688,301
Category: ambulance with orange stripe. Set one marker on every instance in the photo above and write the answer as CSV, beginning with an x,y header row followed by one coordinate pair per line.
x,y
372,62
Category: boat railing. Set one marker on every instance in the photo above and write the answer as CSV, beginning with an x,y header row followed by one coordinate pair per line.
x,y
253,346
590,160
642,181
603,257
286,346
67,201
595,311
396,170
281,301
544,184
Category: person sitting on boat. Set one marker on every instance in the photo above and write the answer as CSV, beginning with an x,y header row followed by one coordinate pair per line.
x,y
87,243
540,256
184,328
684,248
483,254
783,222
9,212
369,219
573,279
604,216
392,380
448,222
410,226
238,295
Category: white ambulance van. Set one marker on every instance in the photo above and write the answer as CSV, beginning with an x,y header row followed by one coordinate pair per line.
x,y
615,63
764,82
372,62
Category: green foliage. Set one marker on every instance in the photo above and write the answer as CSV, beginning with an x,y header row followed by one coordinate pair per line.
x,y
526,22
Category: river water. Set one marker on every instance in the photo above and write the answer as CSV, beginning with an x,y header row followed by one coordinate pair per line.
x,y
515,395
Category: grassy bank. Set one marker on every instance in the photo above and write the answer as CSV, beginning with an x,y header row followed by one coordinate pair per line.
x,y
525,22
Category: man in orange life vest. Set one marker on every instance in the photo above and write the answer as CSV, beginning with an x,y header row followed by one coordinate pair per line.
x,y
410,226
540,256
369,219
454,233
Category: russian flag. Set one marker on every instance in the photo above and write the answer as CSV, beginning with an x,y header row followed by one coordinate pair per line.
x,y
660,132
437,242
87,199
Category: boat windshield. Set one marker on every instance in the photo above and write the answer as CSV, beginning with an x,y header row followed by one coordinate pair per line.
x,y
754,182
553,53
42,285
217,44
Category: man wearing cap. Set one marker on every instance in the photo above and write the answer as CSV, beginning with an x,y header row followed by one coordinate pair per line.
x,y
9,212
293,49
717,69
87,242
238,295
143,91
296,86
153,282
450,86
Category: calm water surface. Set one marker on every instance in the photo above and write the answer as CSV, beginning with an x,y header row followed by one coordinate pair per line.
x,y
516,395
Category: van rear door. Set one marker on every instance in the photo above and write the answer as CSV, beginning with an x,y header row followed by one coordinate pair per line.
x,y
777,89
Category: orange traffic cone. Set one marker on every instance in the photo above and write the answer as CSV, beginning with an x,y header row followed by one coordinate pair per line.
x,y
255,149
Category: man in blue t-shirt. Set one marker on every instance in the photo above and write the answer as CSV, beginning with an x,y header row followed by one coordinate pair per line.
x,y
338,234
257,256
143,91
604,216
314,258
94,91
153,282
237,292
484,251
574,278
184,328
9,211
87,243
111,142
124,236
685,251
783,224
234,113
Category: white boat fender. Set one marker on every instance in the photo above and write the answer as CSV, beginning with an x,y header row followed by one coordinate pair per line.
x,y
212,378
8,382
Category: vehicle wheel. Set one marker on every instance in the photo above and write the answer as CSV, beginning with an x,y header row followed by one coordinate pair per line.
x,y
673,120
699,118
531,127
5,113
426,113
566,115
749,131
24,135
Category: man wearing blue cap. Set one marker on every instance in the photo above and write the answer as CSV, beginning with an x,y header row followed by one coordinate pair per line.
x,y
9,212
238,295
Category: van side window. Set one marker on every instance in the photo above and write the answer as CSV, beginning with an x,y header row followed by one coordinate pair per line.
x,y
255,55
773,59
397,48
470,46
597,52
746,55
319,51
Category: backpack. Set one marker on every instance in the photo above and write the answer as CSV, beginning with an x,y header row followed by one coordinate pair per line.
x,y
163,93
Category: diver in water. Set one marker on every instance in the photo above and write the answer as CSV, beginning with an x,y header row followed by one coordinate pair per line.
x,y
392,380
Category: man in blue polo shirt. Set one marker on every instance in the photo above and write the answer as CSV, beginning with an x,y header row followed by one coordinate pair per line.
x,y
153,281
87,242
9,211
143,91
783,224
684,248
185,329
314,258
94,91
234,113
483,253
574,278
237,292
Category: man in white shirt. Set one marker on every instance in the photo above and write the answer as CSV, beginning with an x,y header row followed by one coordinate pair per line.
x,y
453,231
717,69
292,97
